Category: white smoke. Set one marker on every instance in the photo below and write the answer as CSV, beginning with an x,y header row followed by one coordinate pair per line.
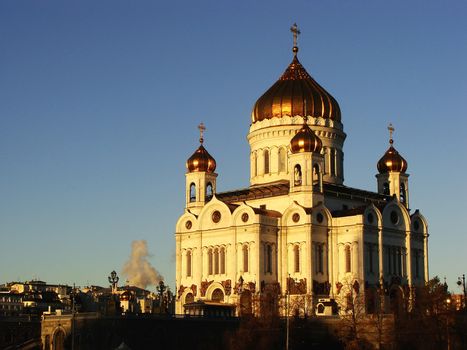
x,y
138,269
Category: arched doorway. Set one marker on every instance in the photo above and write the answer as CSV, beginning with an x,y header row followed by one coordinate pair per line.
x,y
59,340
189,298
245,303
217,295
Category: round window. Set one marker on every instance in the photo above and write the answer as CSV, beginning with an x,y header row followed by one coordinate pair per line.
x,y
296,217
216,216
319,218
370,218
245,217
394,217
188,225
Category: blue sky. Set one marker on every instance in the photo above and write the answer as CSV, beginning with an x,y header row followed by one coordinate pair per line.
x,y
99,103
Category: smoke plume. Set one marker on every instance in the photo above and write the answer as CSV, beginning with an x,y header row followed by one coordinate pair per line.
x,y
138,269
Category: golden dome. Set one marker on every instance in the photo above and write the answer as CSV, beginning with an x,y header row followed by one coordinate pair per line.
x,y
392,161
201,160
296,93
305,140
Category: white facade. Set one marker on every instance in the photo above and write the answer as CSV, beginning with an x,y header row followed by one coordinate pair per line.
x,y
306,237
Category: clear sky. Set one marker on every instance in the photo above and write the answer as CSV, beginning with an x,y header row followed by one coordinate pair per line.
x,y
99,103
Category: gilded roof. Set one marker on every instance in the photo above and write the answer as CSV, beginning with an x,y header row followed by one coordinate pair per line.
x,y
296,93
392,161
305,140
201,160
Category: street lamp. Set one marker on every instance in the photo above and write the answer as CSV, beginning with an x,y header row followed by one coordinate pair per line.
x,y
113,280
461,282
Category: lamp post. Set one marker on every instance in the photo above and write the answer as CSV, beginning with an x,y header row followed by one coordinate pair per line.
x,y
161,290
113,280
461,282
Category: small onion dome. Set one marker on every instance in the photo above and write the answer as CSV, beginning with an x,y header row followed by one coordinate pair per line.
x,y
305,140
296,93
392,161
201,160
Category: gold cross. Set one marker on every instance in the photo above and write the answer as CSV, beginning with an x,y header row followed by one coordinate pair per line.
x,y
391,130
296,33
201,128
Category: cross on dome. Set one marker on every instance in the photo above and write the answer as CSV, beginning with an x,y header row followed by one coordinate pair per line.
x,y
296,32
391,130
201,128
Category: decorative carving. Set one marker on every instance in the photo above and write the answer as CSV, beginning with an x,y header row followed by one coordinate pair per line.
x,y
227,286
204,287
180,291
245,217
252,286
356,287
339,287
296,287
321,288
194,289
188,225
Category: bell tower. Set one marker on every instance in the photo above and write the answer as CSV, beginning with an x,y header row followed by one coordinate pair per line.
x,y
392,177
200,177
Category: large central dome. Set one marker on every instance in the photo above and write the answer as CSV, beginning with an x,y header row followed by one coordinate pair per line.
x,y
296,93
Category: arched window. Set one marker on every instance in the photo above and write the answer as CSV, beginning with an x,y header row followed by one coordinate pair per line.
x,y
254,164
333,161
348,259
319,258
245,258
297,175
188,263
315,174
268,259
296,253
59,340
210,261
209,191
266,161
192,192
282,159
222,260
257,164
403,193
386,188
216,261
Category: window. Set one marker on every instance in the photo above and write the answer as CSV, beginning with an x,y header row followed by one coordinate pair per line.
x,y
192,192
189,298
245,258
209,191
222,260
297,175
417,269
188,263
296,251
333,162
268,259
402,193
386,188
370,257
282,159
210,261
320,258
254,164
216,261
266,161
348,260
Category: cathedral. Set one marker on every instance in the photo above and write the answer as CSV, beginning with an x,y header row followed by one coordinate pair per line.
x,y
298,232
